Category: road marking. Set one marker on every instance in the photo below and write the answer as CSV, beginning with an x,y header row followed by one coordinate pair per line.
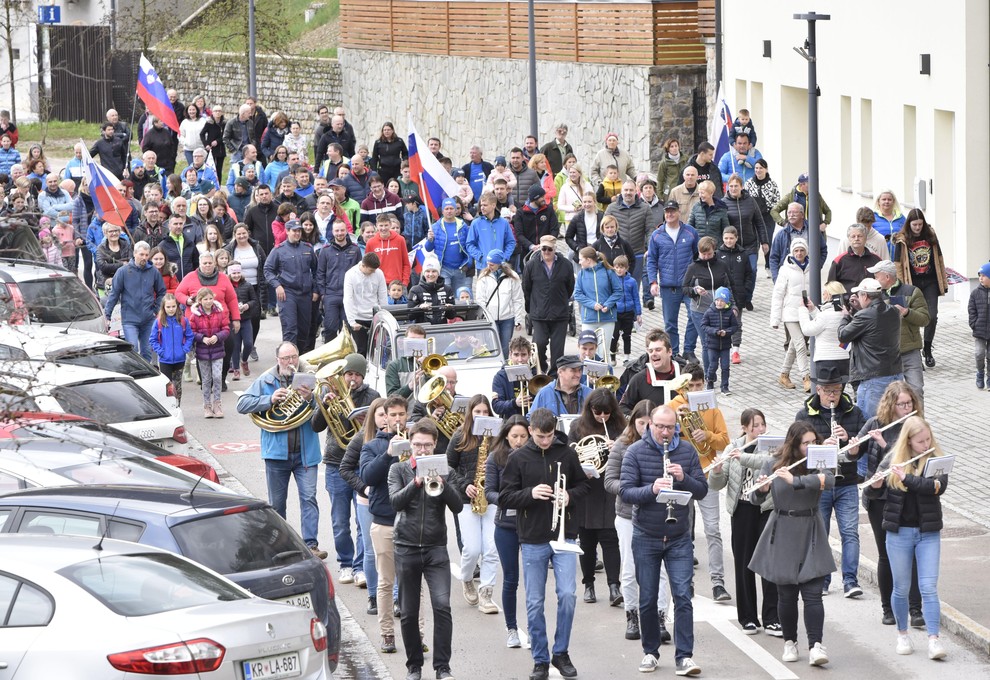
x,y
251,446
722,618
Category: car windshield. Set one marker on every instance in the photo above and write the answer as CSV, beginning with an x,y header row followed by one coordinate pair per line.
x,y
13,400
240,541
463,343
130,470
149,583
86,433
109,401
59,299
115,358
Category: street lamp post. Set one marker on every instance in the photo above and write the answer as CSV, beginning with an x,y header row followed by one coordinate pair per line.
x,y
533,122
252,64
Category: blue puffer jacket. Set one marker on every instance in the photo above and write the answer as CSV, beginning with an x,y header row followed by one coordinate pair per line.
x,y
642,464
375,463
457,255
504,398
597,285
888,227
670,260
414,226
630,300
275,445
173,341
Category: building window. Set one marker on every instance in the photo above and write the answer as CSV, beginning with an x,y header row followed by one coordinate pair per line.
x,y
866,148
845,142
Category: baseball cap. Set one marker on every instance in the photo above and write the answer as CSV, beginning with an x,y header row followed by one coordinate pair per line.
x,y
548,240
868,286
671,205
293,224
885,267
335,182
588,337
802,178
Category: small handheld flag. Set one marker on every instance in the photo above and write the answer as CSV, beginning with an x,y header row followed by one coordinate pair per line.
x,y
151,90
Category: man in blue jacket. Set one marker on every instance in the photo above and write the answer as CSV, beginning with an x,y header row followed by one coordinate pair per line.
x,y
673,247
139,288
290,453
448,239
644,474
740,159
489,231
332,263
290,269
795,227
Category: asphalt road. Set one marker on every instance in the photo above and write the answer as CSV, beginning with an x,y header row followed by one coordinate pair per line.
x,y
856,642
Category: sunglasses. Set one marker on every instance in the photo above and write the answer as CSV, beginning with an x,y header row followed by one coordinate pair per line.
x,y
547,249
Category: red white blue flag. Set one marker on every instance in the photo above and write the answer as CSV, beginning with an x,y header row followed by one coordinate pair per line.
x,y
435,183
104,189
151,90
721,126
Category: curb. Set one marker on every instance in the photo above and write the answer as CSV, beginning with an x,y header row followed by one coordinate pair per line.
x,y
951,620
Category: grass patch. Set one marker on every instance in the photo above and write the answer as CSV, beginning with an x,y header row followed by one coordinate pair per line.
x,y
279,25
61,134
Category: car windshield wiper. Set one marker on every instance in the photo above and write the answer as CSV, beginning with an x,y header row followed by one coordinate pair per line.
x,y
286,555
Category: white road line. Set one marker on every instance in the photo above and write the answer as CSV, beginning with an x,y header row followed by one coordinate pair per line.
x,y
722,618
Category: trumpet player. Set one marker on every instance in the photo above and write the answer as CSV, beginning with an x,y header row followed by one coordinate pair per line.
x,y
708,442
350,557
528,486
477,531
588,351
404,375
657,542
420,544
566,394
509,400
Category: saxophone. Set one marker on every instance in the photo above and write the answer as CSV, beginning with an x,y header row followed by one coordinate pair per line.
x,y
479,504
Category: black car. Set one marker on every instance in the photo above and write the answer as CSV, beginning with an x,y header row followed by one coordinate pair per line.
x,y
240,537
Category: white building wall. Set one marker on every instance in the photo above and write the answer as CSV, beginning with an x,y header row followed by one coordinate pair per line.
x,y
881,123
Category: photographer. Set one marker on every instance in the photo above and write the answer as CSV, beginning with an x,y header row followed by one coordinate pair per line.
x,y
822,323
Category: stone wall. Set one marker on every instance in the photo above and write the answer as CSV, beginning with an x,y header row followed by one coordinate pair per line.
x,y
466,101
675,95
296,85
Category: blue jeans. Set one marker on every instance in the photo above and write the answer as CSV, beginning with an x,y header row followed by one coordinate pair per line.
x,y
505,328
364,527
902,547
672,297
845,501
455,278
243,343
869,392
507,544
277,473
139,335
677,555
695,318
536,558
639,274
717,359
341,500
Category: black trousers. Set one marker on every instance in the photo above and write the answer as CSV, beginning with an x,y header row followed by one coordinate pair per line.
x,y
553,333
412,565
885,581
747,526
623,326
361,336
814,610
590,540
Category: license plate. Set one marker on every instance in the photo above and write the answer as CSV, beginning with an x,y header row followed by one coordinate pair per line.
x,y
301,600
273,667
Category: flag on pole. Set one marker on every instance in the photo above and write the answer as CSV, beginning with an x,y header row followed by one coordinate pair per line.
x,y
721,127
104,189
435,183
151,90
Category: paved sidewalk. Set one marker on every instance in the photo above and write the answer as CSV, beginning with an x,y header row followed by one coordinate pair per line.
x,y
959,413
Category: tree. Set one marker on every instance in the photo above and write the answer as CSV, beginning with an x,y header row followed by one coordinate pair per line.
x,y
14,15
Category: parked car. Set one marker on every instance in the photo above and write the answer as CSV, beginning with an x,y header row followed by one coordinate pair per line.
x,y
85,607
106,397
34,463
471,346
43,294
91,350
70,428
240,537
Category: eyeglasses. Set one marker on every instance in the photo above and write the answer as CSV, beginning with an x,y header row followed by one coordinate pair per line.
x,y
113,231
904,404
547,249
288,357
664,428
422,446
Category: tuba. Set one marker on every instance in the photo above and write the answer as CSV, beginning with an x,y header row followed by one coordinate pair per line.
x,y
592,450
435,390
338,348
286,415
330,379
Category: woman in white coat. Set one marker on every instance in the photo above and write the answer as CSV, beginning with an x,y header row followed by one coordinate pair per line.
x,y
823,325
792,282
499,289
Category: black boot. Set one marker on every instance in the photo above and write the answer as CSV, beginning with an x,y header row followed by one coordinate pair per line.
x,y
632,625
664,633
614,595
927,354
589,594
572,324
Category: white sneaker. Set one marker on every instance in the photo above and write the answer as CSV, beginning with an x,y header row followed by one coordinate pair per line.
x,y
345,575
904,645
935,649
790,651
687,666
470,593
512,639
359,580
648,664
817,655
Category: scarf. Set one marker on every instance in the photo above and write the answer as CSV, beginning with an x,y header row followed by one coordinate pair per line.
x,y
208,281
760,182
802,265
672,157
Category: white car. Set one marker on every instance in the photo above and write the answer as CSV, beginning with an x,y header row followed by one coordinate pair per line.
x,y
83,348
109,398
76,607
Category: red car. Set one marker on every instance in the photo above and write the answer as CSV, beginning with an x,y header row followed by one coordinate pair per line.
x,y
63,426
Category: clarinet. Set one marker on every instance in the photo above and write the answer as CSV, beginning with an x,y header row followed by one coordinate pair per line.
x,y
670,504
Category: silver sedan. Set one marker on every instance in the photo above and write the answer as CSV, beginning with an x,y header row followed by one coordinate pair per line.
x,y
75,607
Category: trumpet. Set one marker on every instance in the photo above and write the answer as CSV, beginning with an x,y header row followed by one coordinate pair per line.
x,y
878,475
592,450
559,511
433,485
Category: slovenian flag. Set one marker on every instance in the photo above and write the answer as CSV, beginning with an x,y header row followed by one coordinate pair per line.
x,y
435,183
104,189
151,90
721,126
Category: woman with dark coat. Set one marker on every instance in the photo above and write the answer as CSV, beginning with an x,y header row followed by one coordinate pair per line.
x,y
747,217
112,254
601,416
388,153
212,137
793,549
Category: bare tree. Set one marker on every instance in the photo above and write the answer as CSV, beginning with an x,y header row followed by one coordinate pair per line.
x,y
13,15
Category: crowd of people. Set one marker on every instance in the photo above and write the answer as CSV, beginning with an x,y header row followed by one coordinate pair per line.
x,y
320,230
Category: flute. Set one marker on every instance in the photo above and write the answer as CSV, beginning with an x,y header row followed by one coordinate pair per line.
x,y
856,442
878,475
757,484
725,455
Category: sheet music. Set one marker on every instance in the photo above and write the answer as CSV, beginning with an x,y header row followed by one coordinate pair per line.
x,y
674,496
822,457
769,443
936,467
702,400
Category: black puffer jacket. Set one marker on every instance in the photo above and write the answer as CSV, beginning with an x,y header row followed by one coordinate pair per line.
x,y
849,417
736,262
420,520
979,312
746,217
926,497
438,294
875,332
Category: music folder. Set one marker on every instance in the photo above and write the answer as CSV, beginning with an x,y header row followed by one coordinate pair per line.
x,y
518,372
935,467
769,443
427,466
674,496
486,425
590,470
823,457
300,379
701,401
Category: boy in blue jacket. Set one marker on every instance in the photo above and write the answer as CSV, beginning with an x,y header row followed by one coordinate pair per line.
x,y
629,309
415,222
718,324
